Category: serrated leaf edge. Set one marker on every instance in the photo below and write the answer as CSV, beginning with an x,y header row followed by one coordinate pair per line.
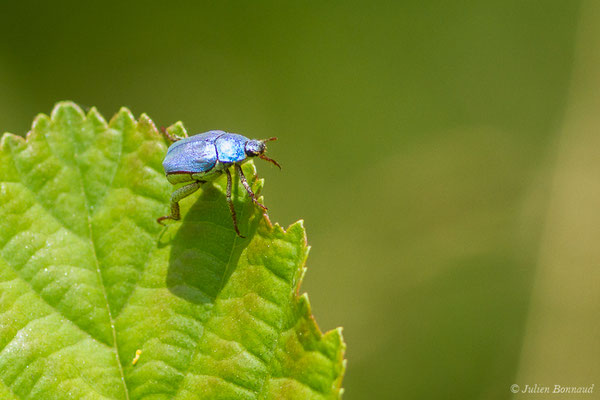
x,y
127,115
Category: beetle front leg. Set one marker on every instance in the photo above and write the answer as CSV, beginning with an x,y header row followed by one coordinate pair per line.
x,y
230,203
177,195
248,188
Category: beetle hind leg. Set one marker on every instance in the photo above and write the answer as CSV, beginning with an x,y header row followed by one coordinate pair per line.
x,y
178,195
248,188
170,138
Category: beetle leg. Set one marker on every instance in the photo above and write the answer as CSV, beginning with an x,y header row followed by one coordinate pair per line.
x,y
230,202
275,163
170,138
177,195
248,188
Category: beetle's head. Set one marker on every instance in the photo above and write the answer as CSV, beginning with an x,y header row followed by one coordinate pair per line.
x,y
257,148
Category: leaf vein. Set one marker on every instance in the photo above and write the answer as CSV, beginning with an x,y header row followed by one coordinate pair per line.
x,y
229,382
54,309
99,272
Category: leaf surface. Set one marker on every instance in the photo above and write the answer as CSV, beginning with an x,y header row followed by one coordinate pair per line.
x,y
88,278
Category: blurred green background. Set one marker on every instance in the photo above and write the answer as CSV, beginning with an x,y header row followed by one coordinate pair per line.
x,y
434,149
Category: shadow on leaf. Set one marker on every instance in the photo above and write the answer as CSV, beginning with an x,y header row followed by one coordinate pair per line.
x,y
205,249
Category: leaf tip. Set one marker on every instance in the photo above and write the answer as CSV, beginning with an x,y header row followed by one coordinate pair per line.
x,y
297,229
177,129
40,122
304,304
250,169
122,119
333,342
146,122
294,229
336,337
66,109
10,141
296,226
94,116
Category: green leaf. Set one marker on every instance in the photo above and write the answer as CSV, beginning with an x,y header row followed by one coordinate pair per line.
x,y
88,278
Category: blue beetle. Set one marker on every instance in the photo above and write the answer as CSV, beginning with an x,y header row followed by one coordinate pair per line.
x,y
204,157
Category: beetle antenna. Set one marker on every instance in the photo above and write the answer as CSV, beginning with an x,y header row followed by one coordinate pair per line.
x,y
269,139
263,157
